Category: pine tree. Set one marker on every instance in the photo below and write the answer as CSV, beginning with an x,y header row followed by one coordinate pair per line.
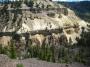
x,y
12,51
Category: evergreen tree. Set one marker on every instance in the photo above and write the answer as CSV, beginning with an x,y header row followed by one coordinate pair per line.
x,y
12,51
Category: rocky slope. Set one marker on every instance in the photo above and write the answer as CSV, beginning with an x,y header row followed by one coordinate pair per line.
x,y
22,20
46,24
33,62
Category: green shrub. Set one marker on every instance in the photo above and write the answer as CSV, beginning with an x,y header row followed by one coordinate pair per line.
x,y
60,16
3,50
48,6
65,11
19,65
51,14
29,3
12,51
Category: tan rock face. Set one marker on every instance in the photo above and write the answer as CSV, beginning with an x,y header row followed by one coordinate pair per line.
x,y
23,21
5,40
37,39
53,39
